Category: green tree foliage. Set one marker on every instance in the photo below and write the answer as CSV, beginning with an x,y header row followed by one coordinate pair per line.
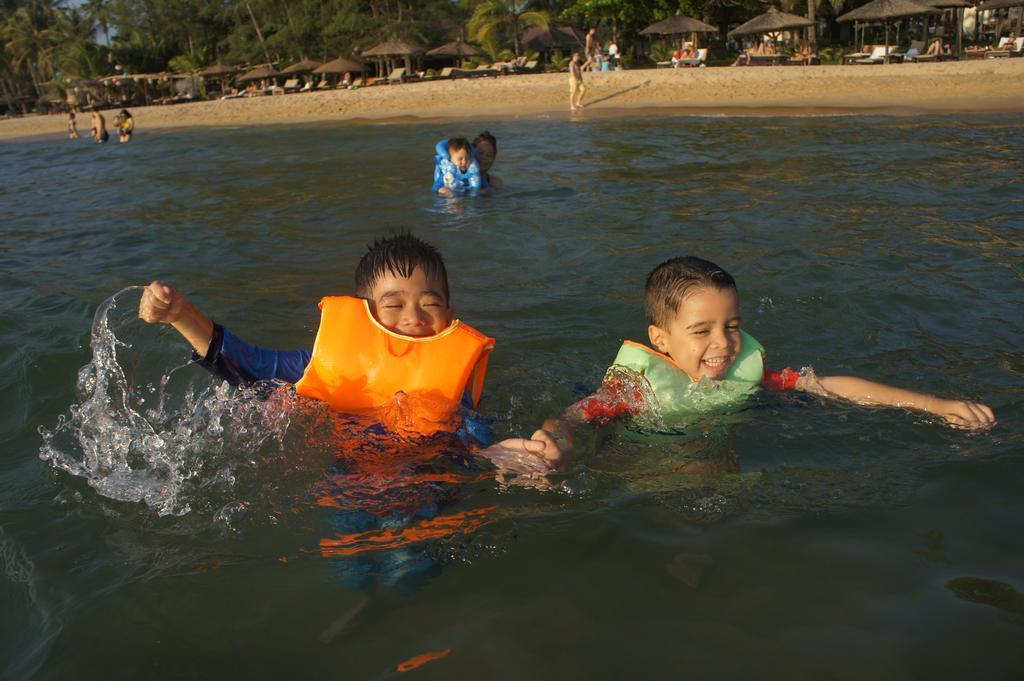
x,y
44,43
505,19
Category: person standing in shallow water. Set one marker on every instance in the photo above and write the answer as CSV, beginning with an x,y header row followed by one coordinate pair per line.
x,y
72,126
99,127
486,147
576,87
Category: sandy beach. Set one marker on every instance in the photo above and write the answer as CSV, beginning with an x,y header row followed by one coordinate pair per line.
x,y
951,87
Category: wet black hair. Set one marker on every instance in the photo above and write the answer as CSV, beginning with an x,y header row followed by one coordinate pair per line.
x,y
457,143
399,255
486,136
669,283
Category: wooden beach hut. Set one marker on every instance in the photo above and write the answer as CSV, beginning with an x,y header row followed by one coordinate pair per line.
x,y
387,54
220,72
885,12
679,25
772,21
957,7
341,66
992,5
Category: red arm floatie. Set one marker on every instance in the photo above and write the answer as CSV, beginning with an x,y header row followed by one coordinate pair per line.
x,y
614,399
779,381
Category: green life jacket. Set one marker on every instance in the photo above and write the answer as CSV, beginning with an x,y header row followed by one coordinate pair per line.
x,y
678,394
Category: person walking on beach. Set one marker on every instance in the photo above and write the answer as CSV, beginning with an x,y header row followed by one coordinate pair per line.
x,y
588,45
72,126
576,87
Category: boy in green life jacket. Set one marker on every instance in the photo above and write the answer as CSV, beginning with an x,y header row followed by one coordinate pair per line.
x,y
700,359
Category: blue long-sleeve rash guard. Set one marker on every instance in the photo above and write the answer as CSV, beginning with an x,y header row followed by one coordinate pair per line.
x,y
238,362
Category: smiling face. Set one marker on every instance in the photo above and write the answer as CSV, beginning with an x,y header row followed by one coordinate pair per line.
x,y
703,337
410,306
460,157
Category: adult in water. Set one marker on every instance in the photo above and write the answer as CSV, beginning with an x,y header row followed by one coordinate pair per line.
x,y
486,147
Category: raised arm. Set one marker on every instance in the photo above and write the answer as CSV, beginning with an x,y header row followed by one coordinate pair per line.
x,y
162,303
960,413
216,349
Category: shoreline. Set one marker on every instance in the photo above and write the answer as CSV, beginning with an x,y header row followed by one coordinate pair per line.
x,y
964,87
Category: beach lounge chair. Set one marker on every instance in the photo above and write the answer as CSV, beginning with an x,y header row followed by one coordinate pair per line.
x,y
528,67
701,58
483,70
396,76
766,59
877,56
291,85
1006,49
446,73
324,84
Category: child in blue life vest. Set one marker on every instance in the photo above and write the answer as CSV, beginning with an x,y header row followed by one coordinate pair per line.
x,y
456,170
701,358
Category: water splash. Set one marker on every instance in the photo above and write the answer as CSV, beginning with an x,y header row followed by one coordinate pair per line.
x,y
162,454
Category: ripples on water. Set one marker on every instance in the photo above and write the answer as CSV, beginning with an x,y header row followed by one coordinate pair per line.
x,y
181,519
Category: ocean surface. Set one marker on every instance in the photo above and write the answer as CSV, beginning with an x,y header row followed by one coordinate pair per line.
x,y
155,524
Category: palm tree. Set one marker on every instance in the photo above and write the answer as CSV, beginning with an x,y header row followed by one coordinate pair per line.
x,y
493,16
99,12
28,42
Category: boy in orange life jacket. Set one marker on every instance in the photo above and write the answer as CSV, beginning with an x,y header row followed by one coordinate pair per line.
x,y
392,338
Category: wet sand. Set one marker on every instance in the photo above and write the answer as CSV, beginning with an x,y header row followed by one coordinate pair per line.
x,y
980,86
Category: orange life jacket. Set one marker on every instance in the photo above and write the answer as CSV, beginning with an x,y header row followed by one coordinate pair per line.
x,y
358,365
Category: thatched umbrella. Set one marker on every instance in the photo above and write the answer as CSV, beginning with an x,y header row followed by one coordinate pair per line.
x,y
677,25
260,73
885,11
460,50
218,72
304,66
680,24
393,48
339,66
772,21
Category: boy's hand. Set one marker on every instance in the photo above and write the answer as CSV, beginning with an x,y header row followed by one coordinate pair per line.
x,y
962,414
541,445
161,304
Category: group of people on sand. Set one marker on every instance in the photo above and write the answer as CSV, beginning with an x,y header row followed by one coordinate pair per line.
x,y
760,48
124,123
598,57
461,167
397,338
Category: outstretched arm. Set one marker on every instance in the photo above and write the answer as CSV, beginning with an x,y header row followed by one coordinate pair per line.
x,y
955,412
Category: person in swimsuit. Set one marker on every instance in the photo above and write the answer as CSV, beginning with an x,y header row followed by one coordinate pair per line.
x,y
576,87
486,146
125,126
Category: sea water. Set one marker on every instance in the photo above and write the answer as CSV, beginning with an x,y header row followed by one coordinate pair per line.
x,y
156,523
